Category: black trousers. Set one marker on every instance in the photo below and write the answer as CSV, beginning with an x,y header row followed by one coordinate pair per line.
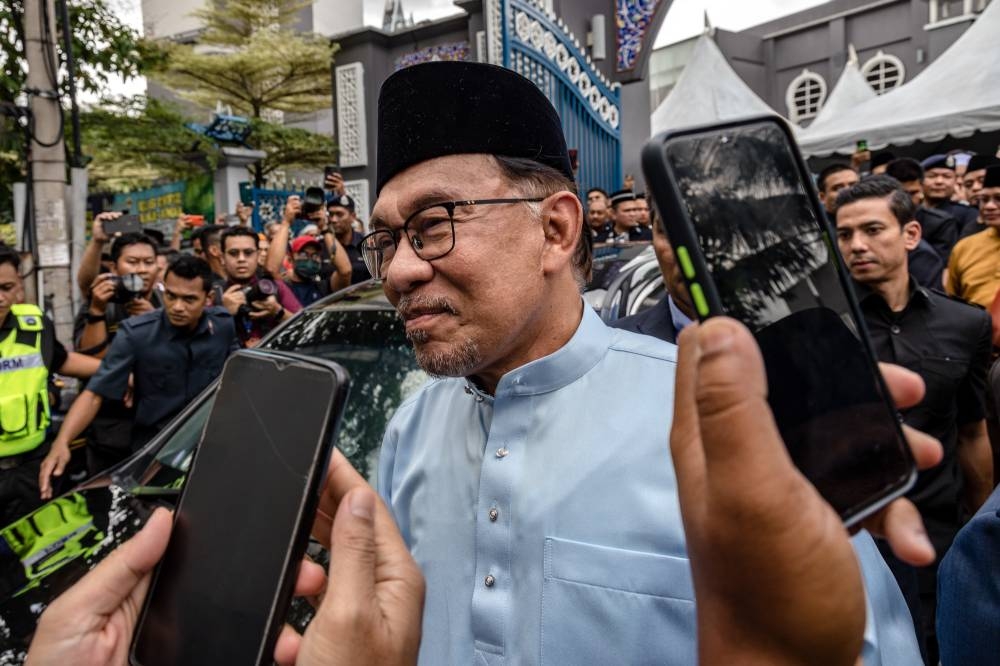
x,y
19,485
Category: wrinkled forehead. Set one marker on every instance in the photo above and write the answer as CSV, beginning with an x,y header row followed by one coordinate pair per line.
x,y
448,178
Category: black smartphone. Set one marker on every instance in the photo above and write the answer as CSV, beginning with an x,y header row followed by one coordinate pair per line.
x,y
329,170
222,590
122,225
753,243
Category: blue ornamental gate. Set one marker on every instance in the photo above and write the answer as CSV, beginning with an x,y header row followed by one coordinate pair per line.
x,y
537,45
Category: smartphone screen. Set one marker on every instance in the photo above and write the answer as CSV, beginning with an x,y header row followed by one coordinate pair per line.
x,y
124,224
221,592
773,264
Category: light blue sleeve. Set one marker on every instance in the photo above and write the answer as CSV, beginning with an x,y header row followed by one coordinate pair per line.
x,y
889,635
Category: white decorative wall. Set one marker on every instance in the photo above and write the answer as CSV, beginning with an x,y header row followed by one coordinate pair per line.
x,y
352,129
358,189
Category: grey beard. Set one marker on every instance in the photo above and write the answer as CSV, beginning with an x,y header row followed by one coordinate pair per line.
x,y
459,361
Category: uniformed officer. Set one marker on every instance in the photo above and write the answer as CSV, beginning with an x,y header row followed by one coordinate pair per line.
x,y
939,183
947,343
173,353
626,214
29,351
340,209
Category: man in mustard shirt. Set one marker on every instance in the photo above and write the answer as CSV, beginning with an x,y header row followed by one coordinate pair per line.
x,y
974,266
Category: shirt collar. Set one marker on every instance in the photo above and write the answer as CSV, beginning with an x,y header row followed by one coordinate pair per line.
x,y
564,366
204,324
915,290
679,319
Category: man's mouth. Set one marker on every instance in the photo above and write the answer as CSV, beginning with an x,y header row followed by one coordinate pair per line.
x,y
418,311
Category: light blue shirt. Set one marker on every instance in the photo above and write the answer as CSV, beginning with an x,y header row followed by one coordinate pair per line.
x,y
546,519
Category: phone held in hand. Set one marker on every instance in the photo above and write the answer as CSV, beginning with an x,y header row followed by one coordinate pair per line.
x,y
222,591
753,243
123,224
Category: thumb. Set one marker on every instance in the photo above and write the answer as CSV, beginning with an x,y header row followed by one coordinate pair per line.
x,y
352,558
105,588
741,441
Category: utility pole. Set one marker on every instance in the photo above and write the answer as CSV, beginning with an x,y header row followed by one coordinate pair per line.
x,y
50,233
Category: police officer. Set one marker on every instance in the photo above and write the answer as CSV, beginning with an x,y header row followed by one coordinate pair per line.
x,y
173,353
341,211
626,213
29,352
940,178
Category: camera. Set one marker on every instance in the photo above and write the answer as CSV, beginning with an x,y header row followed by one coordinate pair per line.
x,y
259,291
313,201
128,287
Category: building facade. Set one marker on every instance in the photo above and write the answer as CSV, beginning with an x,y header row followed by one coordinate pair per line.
x,y
793,62
590,57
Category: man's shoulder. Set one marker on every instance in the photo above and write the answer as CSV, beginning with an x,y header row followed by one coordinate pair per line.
x,y
142,322
218,312
971,242
636,344
956,306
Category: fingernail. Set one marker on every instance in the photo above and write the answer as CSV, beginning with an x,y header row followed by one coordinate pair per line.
x,y
714,338
362,505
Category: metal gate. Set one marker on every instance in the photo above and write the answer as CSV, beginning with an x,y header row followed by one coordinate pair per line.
x,y
538,45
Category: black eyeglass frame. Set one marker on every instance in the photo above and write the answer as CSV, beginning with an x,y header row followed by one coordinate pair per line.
x,y
450,206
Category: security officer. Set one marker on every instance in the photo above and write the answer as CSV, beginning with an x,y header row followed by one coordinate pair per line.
x,y
173,353
342,214
626,213
946,342
939,182
29,351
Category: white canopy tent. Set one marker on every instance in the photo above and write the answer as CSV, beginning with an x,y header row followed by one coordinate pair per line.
x,y
708,90
956,96
851,91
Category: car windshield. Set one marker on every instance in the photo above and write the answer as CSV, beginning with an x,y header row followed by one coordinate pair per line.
x,y
370,344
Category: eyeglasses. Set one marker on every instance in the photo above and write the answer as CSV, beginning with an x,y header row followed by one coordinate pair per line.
x,y
430,230
983,199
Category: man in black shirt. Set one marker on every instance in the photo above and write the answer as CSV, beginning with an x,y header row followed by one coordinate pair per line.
x,y
340,209
946,342
626,214
937,227
939,183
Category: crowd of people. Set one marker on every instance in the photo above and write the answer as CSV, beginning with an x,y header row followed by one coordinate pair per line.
x,y
517,519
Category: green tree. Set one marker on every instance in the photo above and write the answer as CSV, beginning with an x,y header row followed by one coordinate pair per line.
x,y
251,59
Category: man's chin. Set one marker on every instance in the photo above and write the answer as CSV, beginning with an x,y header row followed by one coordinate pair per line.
x,y
455,359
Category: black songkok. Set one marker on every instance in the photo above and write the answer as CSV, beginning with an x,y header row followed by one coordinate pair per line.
x,y
992,177
453,108
980,162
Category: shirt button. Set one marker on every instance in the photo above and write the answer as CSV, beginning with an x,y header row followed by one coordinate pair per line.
x,y
489,581
494,514
502,452
895,330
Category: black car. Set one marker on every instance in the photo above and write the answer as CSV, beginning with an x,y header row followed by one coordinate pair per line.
x,y
44,553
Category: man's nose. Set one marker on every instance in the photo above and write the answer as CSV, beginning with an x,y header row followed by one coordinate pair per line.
x,y
407,269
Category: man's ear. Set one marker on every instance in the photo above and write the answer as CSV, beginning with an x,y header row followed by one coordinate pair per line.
x,y
562,224
912,232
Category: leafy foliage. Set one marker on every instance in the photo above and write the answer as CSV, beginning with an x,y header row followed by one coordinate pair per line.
x,y
136,140
102,45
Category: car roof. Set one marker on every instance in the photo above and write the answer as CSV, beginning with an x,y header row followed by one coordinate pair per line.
x,y
367,295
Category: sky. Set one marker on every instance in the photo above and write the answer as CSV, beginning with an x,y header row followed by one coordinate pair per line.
x,y
684,19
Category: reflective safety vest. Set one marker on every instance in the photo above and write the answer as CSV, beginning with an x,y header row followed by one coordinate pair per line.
x,y
24,390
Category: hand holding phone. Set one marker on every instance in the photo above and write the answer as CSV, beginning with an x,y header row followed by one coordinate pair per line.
x,y
221,593
753,243
123,224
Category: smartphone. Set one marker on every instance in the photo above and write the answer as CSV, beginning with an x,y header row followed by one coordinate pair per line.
x,y
330,170
861,146
123,224
221,593
753,243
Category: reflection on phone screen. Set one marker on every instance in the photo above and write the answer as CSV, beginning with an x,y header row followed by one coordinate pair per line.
x,y
774,266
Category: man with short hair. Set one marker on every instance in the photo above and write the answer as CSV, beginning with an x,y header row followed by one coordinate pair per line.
x,y
938,228
974,267
832,180
644,217
626,213
534,516
939,189
597,194
109,436
340,209
944,341
173,353
206,243
599,221
257,317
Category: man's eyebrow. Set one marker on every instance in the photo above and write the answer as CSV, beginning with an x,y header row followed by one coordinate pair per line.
x,y
426,198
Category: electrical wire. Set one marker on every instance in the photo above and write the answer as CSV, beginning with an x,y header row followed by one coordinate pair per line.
x,y
52,71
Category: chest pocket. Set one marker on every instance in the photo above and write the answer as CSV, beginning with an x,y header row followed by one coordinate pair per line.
x,y
607,605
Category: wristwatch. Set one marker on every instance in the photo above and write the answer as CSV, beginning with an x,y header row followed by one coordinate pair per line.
x,y
93,318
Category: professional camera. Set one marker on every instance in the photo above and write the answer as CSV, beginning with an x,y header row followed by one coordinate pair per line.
x,y
313,201
128,287
259,291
